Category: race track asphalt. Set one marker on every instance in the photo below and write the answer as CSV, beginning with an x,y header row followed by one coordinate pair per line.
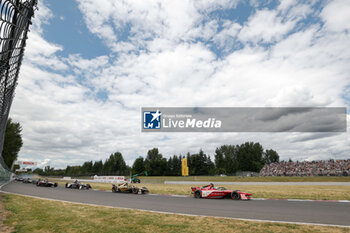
x,y
333,213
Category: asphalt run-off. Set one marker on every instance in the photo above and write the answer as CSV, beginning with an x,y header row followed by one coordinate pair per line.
x,y
319,213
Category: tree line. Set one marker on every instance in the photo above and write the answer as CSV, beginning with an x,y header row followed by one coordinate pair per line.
x,y
12,143
228,159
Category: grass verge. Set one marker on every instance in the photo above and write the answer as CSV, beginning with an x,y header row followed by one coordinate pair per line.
x,y
161,179
3,215
314,192
246,179
36,215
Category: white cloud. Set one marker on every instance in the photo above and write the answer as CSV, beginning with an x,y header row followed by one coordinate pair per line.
x,y
42,16
163,63
265,26
226,38
336,15
286,4
87,65
38,50
173,21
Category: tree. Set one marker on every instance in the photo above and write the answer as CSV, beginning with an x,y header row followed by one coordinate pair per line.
x,y
271,156
87,168
48,169
12,143
200,164
220,161
115,165
250,157
97,168
177,165
70,171
15,167
119,165
226,159
38,171
155,164
170,167
138,166
210,166
174,166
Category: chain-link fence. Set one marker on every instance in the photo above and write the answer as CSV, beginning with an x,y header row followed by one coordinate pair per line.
x,y
15,18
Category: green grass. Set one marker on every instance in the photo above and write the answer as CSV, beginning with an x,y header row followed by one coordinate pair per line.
x,y
314,192
36,215
161,179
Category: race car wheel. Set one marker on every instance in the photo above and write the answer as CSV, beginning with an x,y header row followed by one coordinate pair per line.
x,y
55,185
235,196
197,194
66,185
135,190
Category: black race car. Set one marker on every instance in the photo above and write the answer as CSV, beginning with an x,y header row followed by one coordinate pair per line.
x,y
46,183
78,185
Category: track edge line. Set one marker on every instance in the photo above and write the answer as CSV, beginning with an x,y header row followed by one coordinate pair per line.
x,y
183,214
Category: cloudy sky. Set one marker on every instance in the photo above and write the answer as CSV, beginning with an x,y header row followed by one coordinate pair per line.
x,y
90,66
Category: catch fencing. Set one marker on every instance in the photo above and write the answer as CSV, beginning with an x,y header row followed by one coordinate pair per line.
x,y
15,18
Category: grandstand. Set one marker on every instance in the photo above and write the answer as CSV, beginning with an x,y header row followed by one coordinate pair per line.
x,y
314,168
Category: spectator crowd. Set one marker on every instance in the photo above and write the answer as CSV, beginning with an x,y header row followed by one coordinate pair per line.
x,y
314,168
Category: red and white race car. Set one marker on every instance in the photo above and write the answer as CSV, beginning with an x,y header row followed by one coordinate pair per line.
x,y
210,191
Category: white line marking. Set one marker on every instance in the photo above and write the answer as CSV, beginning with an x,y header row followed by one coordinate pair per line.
x,y
183,214
343,201
299,200
258,199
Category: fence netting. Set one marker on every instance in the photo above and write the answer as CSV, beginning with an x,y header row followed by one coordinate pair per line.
x,y
15,18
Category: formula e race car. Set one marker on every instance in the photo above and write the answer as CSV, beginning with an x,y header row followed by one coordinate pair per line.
x,y
77,185
27,180
210,191
127,188
45,183
20,179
